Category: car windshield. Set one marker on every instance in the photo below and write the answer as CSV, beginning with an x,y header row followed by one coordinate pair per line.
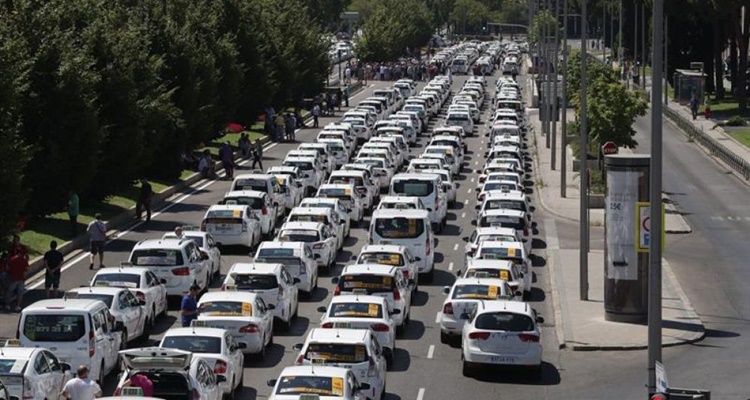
x,y
118,280
156,257
413,187
226,309
375,163
255,282
399,228
336,352
298,217
504,321
316,384
198,240
193,343
54,327
476,292
366,283
104,298
358,310
307,236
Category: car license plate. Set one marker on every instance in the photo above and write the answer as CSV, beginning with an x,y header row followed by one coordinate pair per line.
x,y
343,325
503,360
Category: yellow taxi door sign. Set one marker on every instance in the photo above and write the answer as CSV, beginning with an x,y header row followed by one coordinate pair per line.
x,y
372,310
337,386
504,275
247,309
237,213
492,292
511,252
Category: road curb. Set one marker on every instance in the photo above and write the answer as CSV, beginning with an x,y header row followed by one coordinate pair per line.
x,y
558,307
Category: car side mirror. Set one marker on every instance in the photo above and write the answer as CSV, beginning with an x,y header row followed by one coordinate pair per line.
x,y
163,281
364,386
458,273
296,281
271,382
65,367
518,293
539,320
204,256
417,258
395,312
477,207
477,189
221,378
446,289
271,307
321,309
297,346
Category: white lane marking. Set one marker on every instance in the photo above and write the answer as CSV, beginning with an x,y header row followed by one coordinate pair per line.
x,y
463,215
482,142
476,162
85,254
450,267
437,317
420,395
455,247
472,180
431,352
468,191
466,201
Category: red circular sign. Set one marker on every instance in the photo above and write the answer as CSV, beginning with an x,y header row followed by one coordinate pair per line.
x,y
609,148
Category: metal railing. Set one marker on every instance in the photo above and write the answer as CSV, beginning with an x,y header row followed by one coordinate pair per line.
x,y
715,148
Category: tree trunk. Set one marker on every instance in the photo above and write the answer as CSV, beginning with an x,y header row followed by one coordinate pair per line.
x,y
742,35
719,65
733,60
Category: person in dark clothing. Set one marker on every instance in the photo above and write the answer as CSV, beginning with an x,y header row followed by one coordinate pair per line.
x,y
226,155
257,154
144,200
189,306
290,126
298,117
53,261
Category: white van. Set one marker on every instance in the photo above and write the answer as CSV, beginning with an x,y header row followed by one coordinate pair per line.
x,y
429,188
408,228
77,331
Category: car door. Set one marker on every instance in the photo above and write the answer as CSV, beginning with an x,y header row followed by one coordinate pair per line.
x,y
290,290
158,293
40,379
214,251
199,266
106,341
58,377
253,223
235,355
130,314
277,201
404,288
139,312
266,316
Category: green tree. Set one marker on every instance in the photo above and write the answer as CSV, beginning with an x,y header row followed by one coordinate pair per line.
x,y
393,29
468,16
543,22
514,12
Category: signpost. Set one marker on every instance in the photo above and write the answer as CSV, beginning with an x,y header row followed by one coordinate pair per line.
x,y
662,384
643,227
609,148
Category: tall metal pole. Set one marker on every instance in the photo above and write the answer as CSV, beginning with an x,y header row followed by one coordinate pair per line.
x,y
654,259
666,64
604,31
612,32
584,251
620,58
644,53
555,109
564,124
635,41
546,79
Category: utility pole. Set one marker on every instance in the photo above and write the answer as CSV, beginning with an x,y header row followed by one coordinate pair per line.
x,y
611,32
666,64
545,79
584,159
619,46
555,109
635,41
604,31
654,257
643,46
564,124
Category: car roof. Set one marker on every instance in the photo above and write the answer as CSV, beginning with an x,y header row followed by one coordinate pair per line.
x,y
510,194
253,176
504,211
420,175
17,352
254,267
347,173
479,281
518,307
246,193
168,243
230,207
198,331
369,269
494,264
305,370
394,212
227,295
310,210
122,270
386,248
111,290
357,298
302,225
335,186
501,245
275,244
55,305
400,199
495,230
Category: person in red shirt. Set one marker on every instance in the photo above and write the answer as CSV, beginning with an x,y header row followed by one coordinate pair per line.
x,y
141,381
17,266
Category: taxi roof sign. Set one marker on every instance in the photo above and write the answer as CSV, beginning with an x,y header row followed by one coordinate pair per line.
x,y
125,264
101,283
12,343
198,324
230,288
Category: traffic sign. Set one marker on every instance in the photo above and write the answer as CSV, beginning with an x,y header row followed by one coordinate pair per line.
x,y
609,148
662,384
643,226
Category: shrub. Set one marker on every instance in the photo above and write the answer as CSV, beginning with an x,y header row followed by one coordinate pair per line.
x,y
736,120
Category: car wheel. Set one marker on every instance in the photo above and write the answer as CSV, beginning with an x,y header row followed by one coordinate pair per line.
x,y
536,372
466,370
430,275
242,380
526,295
445,338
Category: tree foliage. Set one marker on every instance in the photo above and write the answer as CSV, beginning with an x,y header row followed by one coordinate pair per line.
x,y
94,95
469,16
394,28
544,23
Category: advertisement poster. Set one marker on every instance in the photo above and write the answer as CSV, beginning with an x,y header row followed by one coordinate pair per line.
x,y
620,203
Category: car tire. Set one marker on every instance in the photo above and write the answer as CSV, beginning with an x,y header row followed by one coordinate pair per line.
x,y
284,325
242,381
445,338
526,295
466,370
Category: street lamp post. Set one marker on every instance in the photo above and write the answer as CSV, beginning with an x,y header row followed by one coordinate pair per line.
x,y
555,110
643,46
564,123
619,46
584,141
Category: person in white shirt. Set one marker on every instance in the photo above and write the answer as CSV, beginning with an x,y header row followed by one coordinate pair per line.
x,y
81,387
178,232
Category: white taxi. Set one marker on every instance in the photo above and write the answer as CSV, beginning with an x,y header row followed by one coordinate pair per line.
x,y
498,269
333,204
178,261
463,298
323,215
363,312
296,257
32,372
317,237
378,280
261,204
449,185
392,255
512,251
215,346
205,242
321,382
294,191
355,349
144,284
454,163
350,198
502,333
401,203
362,184
492,233
245,315
272,282
124,306
381,169
233,225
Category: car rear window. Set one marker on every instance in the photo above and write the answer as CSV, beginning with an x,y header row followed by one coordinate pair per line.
x,y
226,309
316,384
104,298
297,217
157,257
307,236
287,261
476,292
345,180
194,344
336,352
398,205
488,273
302,165
358,310
399,228
374,163
496,185
119,280
366,283
500,253
504,321
336,193
413,187
251,184
255,282
54,327
256,203
198,240
394,259
502,221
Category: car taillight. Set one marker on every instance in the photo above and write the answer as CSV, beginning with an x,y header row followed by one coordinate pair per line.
x,y
220,367
140,295
396,294
528,338
249,328
182,271
264,210
92,343
380,328
526,231
319,245
244,226
203,226
195,395
479,335
300,359
337,291
28,391
448,309
371,370
327,325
